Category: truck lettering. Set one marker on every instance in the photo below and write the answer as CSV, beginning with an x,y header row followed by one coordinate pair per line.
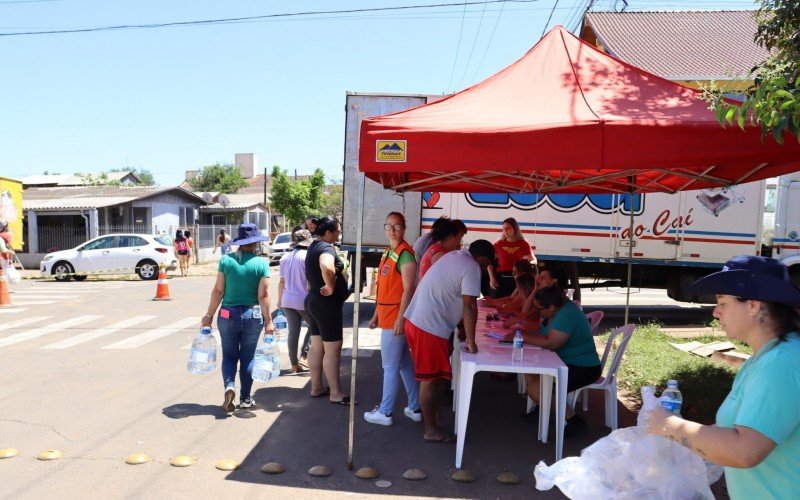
x,y
664,222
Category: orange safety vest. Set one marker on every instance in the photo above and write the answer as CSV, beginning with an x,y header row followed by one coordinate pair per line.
x,y
390,285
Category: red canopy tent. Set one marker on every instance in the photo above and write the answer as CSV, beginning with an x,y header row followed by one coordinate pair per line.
x,y
567,117
564,118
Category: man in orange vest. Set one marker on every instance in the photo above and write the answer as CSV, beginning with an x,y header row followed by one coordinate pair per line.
x,y
397,275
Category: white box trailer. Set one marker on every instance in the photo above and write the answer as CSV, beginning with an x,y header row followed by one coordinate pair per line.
x,y
677,238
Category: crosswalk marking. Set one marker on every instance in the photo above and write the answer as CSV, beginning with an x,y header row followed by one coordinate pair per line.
x,y
154,334
100,332
38,296
24,302
45,330
12,310
21,322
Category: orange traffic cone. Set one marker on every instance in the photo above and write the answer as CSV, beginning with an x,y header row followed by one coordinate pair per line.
x,y
162,290
5,297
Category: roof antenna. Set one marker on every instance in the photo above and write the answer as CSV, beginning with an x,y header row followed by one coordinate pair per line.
x,y
619,5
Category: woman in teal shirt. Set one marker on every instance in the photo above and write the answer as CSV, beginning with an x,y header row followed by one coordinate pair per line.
x,y
242,288
757,434
565,330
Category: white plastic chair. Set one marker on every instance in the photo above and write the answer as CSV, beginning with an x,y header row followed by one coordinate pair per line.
x,y
594,318
608,383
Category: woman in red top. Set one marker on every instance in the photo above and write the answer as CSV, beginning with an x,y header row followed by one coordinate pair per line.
x,y
396,284
510,248
447,237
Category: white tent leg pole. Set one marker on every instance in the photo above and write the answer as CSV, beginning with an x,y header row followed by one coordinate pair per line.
x,y
630,260
356,305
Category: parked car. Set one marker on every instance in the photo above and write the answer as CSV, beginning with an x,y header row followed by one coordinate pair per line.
x,y
281,245
112,254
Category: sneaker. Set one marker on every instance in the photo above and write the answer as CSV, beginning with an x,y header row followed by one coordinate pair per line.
x,y
415,415
376,417
247,402
228,405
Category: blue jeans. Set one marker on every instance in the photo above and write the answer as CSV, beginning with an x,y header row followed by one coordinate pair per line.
x,y
240,334
396,359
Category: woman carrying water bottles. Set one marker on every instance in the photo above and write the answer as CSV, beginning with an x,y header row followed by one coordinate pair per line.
x,y
242,288
292,291
397,276
756,437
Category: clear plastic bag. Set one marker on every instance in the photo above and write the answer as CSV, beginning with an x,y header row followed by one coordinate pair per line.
x,y
630,463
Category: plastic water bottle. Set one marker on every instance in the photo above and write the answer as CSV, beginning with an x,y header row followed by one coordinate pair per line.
x,y
203,356
281,327
267,361
671,398
649,402
516,352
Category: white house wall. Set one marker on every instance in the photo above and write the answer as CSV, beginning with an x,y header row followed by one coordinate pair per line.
x,y
165,214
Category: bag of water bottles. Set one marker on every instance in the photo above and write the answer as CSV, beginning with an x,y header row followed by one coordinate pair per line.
x,y
630,463
203,356
266,364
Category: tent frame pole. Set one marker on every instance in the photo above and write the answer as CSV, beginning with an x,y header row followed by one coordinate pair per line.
x,y
356,306
631,242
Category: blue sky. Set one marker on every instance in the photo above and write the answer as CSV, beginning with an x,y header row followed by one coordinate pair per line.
x,y
177,98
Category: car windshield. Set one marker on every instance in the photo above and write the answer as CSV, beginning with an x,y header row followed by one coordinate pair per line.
x,y
283,238
162,240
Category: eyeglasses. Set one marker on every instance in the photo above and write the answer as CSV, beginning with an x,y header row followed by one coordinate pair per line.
x,y
540,308
396,227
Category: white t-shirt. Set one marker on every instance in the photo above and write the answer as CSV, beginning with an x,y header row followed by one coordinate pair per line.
x,y
293,272
437,305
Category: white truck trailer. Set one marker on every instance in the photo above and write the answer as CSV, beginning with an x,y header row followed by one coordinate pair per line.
x,y
677,238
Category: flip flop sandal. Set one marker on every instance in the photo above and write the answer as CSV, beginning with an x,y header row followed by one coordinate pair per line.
x,y
345,401
450,438
323,393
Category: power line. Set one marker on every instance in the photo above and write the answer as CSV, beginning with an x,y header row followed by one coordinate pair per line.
x,y
250,18
548,19
458,47
475,41
491,37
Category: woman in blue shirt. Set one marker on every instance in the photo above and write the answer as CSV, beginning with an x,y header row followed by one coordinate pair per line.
x,y
757,434
242,288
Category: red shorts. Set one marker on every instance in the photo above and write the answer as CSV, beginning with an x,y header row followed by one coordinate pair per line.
x,y
431,354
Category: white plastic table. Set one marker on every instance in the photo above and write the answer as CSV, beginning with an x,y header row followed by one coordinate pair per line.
x,y
496,357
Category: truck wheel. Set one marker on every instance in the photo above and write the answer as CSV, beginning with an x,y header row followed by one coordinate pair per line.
x,y
62,271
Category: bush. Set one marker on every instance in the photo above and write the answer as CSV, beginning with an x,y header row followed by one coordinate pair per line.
x,y
650,360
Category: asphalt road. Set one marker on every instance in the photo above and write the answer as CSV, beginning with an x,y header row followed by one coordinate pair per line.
x,y
98,371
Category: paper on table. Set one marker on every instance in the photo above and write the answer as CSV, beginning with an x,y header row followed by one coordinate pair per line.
x,y
496,335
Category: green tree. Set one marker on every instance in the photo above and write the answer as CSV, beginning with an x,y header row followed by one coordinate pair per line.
x,y
143,174
332,200
290,198
316,188
773,101
224,178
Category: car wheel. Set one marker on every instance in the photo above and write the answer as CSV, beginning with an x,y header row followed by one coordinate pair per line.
x,y
80,277
62,271
147,270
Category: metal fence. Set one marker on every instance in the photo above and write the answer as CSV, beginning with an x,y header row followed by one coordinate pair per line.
x,y
55,238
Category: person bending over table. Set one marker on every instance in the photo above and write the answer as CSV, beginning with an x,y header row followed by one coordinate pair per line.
x,y
565,330
446,237
447,296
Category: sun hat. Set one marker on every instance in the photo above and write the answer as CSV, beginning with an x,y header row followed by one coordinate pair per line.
x,y
303,238
750,277
3,223
248,233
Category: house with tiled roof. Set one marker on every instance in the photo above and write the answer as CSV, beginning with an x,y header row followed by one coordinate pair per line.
x,y
688,47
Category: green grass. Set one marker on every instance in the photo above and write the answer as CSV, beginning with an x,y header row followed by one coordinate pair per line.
x,y
650,360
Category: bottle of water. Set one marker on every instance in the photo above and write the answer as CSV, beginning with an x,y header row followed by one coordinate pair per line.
x,y
267,361
281,327
516,352
649,402
671,398
203,356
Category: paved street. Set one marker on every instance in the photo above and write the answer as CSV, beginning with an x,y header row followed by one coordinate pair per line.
x,y
98,370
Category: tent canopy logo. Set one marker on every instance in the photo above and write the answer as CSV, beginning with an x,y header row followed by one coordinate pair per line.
x,y
390,151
